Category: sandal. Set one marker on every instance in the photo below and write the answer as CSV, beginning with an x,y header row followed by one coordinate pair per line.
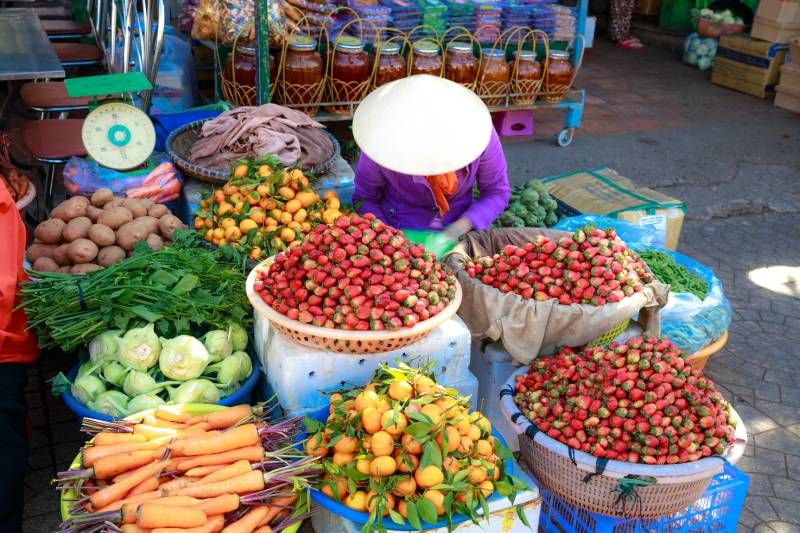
x,y
632,43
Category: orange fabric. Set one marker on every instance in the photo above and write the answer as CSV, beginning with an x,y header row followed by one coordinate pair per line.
x,y
16,344
443,185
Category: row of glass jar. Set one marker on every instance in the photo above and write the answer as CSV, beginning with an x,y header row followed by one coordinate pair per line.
x,y
350,78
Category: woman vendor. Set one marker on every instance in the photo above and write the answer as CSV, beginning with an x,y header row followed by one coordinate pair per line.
x,y
425,142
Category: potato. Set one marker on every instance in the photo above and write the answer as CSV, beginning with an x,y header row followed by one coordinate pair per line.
x,y
101,197
71,208
158,210
146,202
168,225
64,269
45,264
116,202
77,228
93,212
151,223
61,255
155,242
49,231
110,255
131,233
38,250
102,235
116,217
135,206
84,268
82,251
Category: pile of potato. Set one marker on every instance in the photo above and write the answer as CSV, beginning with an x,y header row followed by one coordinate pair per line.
x,y
86,234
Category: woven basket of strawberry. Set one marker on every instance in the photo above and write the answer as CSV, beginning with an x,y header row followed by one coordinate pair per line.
x,y
629,430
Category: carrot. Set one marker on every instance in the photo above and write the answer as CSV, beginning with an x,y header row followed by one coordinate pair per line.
x,y
133,528
177,483
214,525
113,465
224,418
92,453
153,420
181,501
201,471
148,485
239,437
118,490
152,515
248,453
251,482
158,452
109,437
153,432
139,498
249,521
236,469
263,529
172,413
200,426
277,507
222,504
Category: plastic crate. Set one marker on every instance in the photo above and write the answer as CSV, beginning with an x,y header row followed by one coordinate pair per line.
x,y
716,511
564,210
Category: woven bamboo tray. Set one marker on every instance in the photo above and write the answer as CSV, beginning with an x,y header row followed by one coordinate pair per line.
x,y
345,341
180,141
575,479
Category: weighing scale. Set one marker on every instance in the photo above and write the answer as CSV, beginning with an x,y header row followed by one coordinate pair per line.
x,y
115,133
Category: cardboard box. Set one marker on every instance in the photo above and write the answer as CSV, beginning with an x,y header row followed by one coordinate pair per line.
x,y
748,65
785,11
788,98
774,32
790,75
603,191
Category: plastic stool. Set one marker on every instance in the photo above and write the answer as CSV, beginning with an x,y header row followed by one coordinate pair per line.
x,y
518,123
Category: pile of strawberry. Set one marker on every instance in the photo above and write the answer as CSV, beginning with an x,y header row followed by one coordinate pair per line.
x,y
639,401
357,274
590,267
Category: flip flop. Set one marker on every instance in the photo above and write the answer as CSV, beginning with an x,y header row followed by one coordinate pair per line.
x,y
632,43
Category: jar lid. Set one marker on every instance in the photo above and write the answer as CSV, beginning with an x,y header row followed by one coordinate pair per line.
x,y
460,46
426,47
348,43
559,54
494,52
525,54
302,42
390,48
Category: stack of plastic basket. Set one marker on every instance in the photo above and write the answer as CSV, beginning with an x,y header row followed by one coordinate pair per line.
x,y
405,14
517,14
373,19
558,22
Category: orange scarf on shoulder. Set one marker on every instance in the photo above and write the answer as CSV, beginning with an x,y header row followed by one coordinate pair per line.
x,y
443,185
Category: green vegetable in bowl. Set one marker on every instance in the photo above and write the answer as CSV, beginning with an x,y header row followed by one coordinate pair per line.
x,y
218,343
530,205
114,373
183,358
139,348
195,391
87,388
144,402
234,368
138,382
112,403
105,347
238,336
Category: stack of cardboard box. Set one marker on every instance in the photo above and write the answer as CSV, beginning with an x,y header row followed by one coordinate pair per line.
x,y
788,91
752,64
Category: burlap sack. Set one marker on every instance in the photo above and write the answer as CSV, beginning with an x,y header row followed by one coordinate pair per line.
x,y
526,326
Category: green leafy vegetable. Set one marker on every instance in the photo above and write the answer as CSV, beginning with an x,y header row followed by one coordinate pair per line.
x,y
139,348
183,358
680,279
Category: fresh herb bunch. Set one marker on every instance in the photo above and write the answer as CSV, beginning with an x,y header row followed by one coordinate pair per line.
x,y
183,289
680,279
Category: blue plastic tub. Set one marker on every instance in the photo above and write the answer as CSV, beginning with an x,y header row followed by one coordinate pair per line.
x,y
717,510
241,396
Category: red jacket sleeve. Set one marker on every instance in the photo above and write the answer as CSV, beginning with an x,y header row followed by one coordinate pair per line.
x,y
17,345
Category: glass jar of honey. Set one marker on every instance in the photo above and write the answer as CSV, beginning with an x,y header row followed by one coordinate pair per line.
x,y
460,65
391,64
349,74
494,75
427,58
302,74
527,77
557,77
239,76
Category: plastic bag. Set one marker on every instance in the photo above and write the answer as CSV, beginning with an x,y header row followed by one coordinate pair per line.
x,y
688,321
700,51
206,21
160,184
636,237
433,241
188,13
238,21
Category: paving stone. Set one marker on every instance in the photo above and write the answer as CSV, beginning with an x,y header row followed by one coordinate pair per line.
x,y
748,520
776,527
787,509
779,440
790,396
781,378
755,421
784,488
760,485
760,506
783,414
764,462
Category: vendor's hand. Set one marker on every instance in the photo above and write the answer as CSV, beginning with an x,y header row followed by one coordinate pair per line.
x,y
440,243
458,228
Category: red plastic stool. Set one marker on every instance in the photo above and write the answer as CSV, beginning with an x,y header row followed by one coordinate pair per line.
x,y
517,123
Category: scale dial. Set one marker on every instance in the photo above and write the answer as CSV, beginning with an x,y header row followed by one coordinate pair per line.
x,y
118,135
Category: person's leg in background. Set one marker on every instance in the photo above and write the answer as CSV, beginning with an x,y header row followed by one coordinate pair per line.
x,y
619,24
13,445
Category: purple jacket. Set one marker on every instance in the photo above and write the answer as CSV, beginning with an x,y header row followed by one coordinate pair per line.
x,y
407,202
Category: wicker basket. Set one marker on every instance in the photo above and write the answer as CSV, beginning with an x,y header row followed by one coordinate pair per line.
x,y
345,341
609,335
180,141
699,359
576,479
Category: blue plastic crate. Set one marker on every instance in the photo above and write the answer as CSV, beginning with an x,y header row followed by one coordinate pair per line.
x,y
716,511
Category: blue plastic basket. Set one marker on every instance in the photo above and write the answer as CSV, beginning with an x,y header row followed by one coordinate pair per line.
x,y
717,510
240,396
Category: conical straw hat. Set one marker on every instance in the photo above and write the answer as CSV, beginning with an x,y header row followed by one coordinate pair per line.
x,y
422,125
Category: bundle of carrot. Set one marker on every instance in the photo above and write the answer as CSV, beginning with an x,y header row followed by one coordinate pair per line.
x,y
172,472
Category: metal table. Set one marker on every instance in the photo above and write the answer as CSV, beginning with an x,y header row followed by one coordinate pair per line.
x,y
25,51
